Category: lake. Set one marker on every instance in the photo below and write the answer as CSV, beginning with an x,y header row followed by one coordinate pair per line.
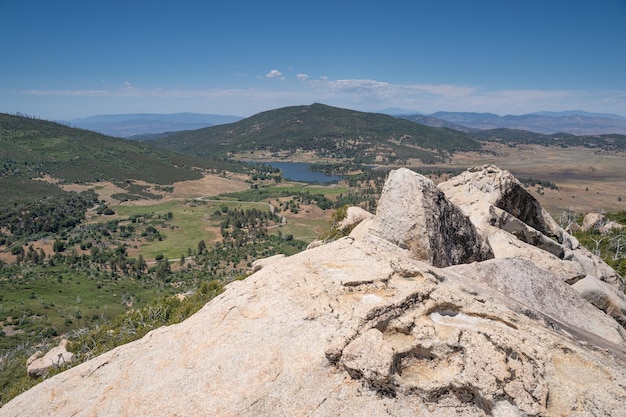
x,y
299,171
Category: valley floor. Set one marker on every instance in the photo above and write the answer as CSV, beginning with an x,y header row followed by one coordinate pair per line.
x,y
589,180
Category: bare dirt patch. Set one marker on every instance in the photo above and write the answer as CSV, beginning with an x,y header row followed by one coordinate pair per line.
x,y
104,190
46,244
209,185
47,178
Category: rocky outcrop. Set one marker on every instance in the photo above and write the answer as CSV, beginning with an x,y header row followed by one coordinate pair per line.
x,y
508,204
415,215
39,364
515,225
369,325
599,222
603,297
354,216
531,286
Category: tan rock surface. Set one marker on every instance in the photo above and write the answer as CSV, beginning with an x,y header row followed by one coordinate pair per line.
x,y
262,263
354,216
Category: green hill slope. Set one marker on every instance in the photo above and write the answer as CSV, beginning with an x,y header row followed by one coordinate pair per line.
x,y
327,131
31,148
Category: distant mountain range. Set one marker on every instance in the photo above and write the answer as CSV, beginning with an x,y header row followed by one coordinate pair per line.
x,y
149,126
128,125
575,122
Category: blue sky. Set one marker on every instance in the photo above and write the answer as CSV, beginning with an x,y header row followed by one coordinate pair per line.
x,y
63,59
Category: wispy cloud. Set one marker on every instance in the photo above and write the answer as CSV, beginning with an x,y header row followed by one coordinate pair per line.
x,y
360,94
275,74
375,95
385,89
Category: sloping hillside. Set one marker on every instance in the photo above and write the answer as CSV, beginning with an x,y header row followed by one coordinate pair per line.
x,y
31,148
329,132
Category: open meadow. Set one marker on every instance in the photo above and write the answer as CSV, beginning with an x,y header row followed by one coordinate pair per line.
x,y
589,180
187,221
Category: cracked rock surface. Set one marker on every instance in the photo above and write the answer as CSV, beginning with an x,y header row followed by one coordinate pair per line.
x,y
363,326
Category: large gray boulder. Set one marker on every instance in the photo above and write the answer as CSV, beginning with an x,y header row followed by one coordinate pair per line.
x,y
415,215
599,222
505,198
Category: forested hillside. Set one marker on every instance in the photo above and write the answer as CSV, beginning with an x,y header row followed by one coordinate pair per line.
x,y
328,132
32,148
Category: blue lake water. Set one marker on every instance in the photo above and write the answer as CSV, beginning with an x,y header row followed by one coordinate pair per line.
x,y
299,171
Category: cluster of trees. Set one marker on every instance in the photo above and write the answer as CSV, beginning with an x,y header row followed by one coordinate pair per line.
x,y
99,247
47,216
245,237
341,168
320,200
531,182
244,226
260,172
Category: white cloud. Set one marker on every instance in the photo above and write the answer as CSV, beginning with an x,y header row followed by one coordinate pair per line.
x,y
302,77
275,74
373,95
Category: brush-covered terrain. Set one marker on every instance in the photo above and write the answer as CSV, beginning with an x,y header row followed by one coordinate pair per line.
x,y
32,150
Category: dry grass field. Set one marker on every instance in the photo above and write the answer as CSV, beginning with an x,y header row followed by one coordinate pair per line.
x,y
209,185
589,180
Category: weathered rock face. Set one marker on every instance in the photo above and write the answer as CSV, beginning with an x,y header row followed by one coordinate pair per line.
x,y
529,285
416,215
515,225
490,187
360,326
